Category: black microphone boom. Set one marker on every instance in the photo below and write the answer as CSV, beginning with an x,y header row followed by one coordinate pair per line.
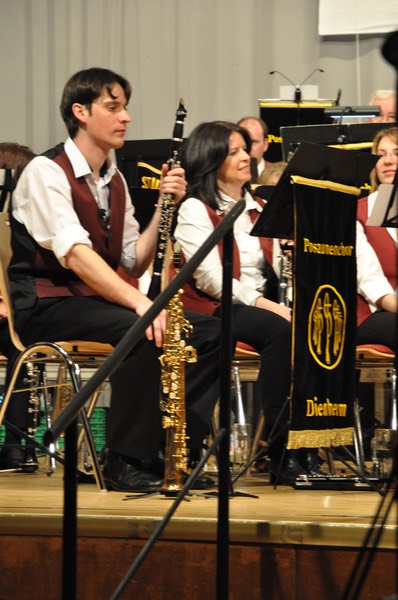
x,y
297,88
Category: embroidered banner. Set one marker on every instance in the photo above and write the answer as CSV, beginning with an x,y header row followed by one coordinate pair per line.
x,y
324,315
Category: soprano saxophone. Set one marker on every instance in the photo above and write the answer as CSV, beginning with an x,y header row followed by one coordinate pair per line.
x,y
175,354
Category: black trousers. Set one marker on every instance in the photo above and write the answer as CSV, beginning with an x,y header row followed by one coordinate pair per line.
x,y
17,409
270,335
134,422
379,328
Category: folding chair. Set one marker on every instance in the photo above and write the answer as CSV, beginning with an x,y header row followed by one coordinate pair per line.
x,y
72,356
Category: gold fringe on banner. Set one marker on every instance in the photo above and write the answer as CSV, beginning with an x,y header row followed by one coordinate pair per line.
x,y
328,438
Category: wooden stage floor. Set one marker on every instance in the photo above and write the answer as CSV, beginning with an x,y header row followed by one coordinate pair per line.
x,y
285,543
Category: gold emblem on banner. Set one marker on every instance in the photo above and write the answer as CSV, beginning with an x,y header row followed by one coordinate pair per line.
x,y
326,327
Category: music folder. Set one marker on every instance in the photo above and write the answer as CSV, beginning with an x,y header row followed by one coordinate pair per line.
x,y
385,210
313,161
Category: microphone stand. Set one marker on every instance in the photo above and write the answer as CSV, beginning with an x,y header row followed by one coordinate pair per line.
x,y
297,89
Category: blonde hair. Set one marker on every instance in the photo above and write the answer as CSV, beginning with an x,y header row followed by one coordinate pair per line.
x,y
273,169
391,132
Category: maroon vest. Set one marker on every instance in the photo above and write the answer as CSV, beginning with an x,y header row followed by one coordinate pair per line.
x,y
50,278
198,301
385,248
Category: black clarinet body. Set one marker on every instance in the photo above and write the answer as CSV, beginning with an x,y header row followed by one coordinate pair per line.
x,y
167,207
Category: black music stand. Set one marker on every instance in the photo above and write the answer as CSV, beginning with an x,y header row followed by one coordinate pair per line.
x,y
128,157
312,161
356,134
280,113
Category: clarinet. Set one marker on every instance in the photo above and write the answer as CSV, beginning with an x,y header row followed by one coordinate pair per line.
x,y
168,207
286,277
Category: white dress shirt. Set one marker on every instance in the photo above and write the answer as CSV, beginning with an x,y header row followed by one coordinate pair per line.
x,y
193,228
372,284
42,201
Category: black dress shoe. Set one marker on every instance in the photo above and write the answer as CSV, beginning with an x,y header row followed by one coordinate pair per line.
x,y
123,477
16,457
156,466
309,461
11,456
290,470
202,482
29,463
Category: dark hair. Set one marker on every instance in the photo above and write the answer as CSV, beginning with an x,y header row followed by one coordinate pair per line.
x,y
86,86
15,156
203,153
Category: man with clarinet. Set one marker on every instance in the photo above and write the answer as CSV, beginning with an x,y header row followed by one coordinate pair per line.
x,y
73,229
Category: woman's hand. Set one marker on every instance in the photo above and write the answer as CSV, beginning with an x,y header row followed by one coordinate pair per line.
x,y
3,311
279,309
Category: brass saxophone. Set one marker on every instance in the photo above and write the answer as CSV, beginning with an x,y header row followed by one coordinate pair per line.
x,y
175,354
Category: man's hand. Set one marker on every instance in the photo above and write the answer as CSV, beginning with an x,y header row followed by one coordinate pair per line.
x,y
157,328
173,182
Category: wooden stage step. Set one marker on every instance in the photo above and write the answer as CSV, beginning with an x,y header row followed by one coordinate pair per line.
x,y
285,544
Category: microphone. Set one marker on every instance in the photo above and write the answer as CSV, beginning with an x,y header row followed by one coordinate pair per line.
x,y
297,88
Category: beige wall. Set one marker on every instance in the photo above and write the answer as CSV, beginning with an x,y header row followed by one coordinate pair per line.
x,y
216,54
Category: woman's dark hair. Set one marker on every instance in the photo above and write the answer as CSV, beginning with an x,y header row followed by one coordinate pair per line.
x,y
86,86
203,153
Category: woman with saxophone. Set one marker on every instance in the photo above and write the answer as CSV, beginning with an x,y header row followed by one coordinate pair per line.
x,y
73,226
216,159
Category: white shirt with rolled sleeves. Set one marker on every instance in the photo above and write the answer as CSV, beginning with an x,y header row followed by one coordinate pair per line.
x,y
372,284
42,201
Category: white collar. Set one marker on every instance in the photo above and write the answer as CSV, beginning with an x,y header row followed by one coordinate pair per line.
x,y
80,166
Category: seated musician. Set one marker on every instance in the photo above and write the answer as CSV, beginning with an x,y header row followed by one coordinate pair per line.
x,y
377,254
376,272
258,132
216,159
14,455
73,225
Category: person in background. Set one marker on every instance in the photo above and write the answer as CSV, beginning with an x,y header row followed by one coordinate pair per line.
x,y
272,173
258,132
73,226
376,251
377,254
387,100
13,454
216,159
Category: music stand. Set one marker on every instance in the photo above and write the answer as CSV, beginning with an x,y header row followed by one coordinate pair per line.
x,y
144,201
128,157
312,161
352,134
385,209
